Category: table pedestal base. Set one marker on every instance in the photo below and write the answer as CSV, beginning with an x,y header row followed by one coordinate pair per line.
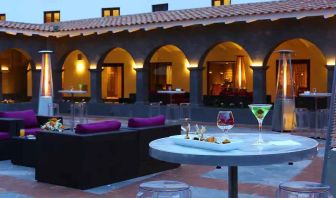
x,y
233,181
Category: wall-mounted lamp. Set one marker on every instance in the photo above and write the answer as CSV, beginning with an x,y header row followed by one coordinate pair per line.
x,y
38,67
80,64
257,63
331,62
137,66
4,68
93,66
192,65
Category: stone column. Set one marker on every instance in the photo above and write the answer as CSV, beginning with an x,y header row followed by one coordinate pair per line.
x,y
36,76
57,83
259,84
95,80
196,86
142,85
330,76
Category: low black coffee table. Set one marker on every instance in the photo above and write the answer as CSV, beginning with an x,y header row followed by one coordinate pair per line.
x,y
24,151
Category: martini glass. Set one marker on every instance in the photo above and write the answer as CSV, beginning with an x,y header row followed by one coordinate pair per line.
x,y
260,111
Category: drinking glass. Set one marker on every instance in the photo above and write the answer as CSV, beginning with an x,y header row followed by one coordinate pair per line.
x,y
314,90
260,111
225,122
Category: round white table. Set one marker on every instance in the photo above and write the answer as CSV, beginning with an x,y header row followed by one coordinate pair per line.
x,y
316,96
72,92
279,148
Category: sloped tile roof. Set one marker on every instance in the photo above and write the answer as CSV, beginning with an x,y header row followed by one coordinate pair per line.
x,y
159,19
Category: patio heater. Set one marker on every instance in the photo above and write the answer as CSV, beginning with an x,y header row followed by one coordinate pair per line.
x,y
46,85
240,79
283,118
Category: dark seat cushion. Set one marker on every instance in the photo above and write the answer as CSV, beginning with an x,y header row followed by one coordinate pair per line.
x,y
28,117
98,127
4,136
145,122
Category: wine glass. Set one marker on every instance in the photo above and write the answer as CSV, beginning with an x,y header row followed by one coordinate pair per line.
x,y
260,111
225,122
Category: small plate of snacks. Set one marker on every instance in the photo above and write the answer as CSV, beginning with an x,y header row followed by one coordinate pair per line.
x,y
208,143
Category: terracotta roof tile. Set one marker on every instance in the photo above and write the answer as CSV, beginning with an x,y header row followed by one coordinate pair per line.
x,y
186,15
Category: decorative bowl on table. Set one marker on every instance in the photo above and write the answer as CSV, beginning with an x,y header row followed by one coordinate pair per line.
x,y
209,143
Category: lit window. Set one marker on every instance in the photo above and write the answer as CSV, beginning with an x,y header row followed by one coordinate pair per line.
x,y
106,12
160,7
52,16
221,2
2,17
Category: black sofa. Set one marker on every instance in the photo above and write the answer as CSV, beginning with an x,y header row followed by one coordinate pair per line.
x,y
86,161
12,126
6,145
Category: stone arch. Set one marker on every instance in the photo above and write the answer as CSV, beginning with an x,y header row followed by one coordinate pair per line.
x,y
118,74
16,68
307,57
172,62
75,72
224,56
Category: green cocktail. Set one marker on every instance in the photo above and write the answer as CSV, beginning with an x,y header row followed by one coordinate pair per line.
x,y
260,111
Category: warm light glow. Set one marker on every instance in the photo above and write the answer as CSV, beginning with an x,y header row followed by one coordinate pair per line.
x,y
284,62
240,78
137,66
257,63
169,76
192,65
80,66
38,67
331,62
4,68
46,78
93,66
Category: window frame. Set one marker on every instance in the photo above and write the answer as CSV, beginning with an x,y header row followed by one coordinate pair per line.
x,y
53,12
222,2
158,5
111,9
3,15
122,66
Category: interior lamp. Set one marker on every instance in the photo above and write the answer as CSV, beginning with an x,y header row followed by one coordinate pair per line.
x,y
46,85
284,106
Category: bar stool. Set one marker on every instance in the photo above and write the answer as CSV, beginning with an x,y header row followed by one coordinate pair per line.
x,y
301,189
164,189
80,112
172,112
302,118
53,109
185,111
154,109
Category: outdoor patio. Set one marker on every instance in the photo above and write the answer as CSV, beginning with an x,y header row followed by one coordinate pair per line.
x,y
206,181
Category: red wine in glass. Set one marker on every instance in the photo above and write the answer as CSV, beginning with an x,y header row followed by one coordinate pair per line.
x,y
225,121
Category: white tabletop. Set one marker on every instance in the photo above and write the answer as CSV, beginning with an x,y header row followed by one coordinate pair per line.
x,y
171,92
250,155
316,95
71,91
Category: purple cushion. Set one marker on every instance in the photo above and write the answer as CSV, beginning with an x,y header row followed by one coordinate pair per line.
x,y
144,122
4,136
98,127
32,131
28,117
